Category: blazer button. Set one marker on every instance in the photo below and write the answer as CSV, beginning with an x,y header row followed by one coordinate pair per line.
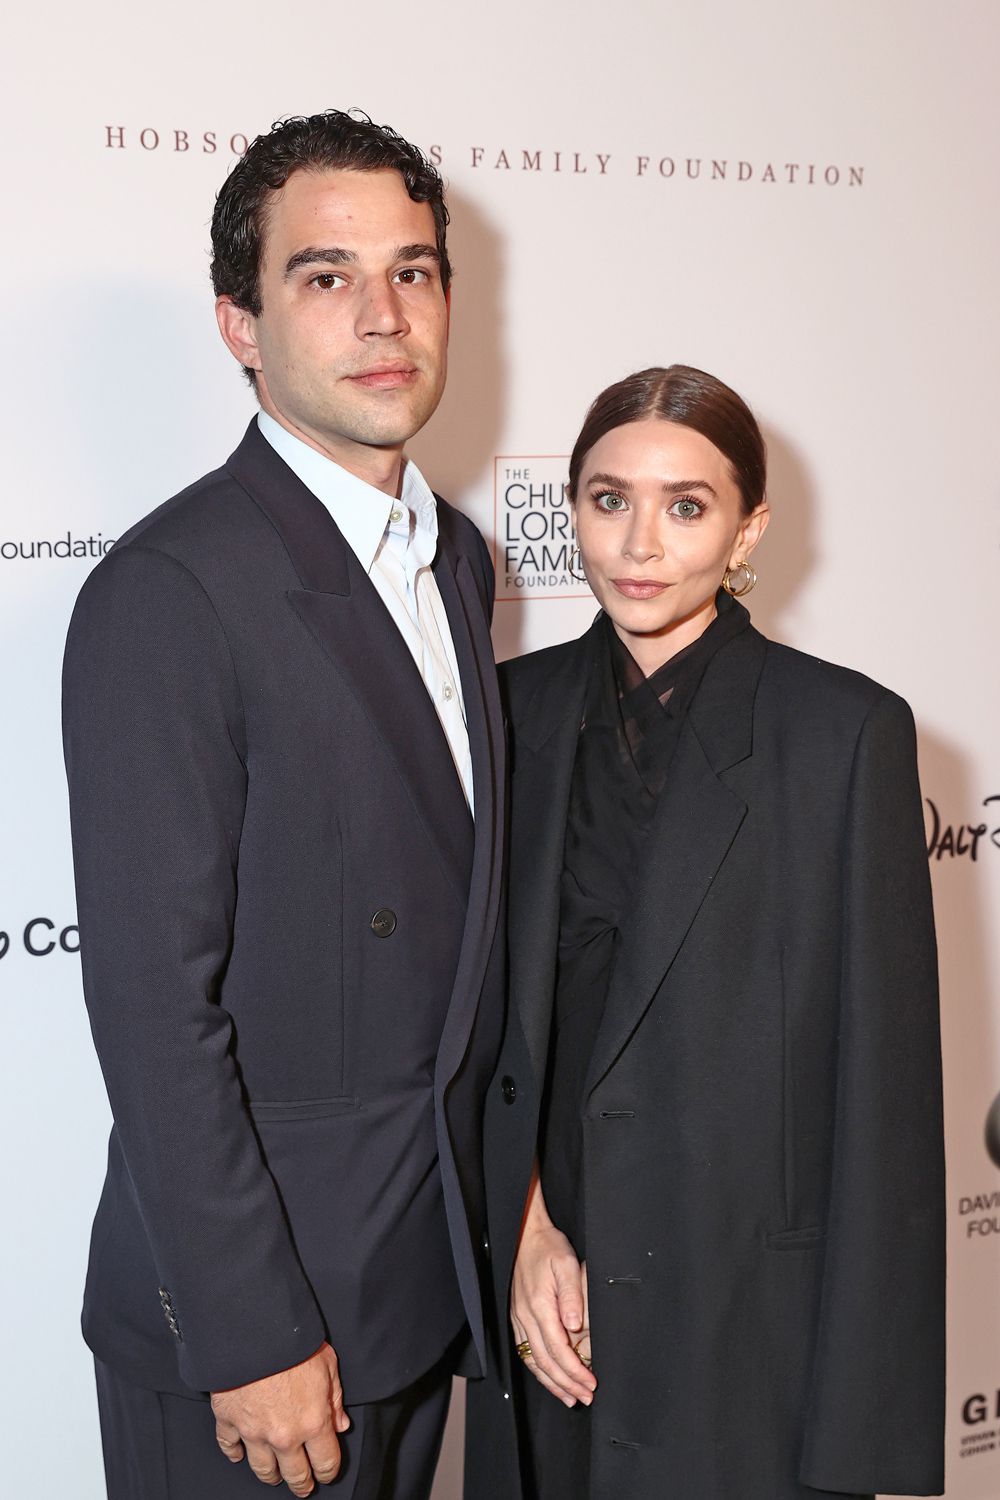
x,y
384,922
508,1089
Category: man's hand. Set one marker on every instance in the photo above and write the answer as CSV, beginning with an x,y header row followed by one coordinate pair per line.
x,y
548,1306
286,1424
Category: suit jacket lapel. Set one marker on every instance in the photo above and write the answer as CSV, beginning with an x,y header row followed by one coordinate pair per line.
x,y
342,609
468,619
545,738
696,822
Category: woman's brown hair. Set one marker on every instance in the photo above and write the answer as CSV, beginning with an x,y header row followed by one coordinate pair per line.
x,y
692,399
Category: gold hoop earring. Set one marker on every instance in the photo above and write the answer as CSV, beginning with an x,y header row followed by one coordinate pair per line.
x,y
749,581
582,577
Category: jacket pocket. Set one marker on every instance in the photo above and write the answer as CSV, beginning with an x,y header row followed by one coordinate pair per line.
x,y
796,1239
268,1112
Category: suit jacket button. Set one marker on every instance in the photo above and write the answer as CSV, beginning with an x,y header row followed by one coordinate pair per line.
x,y
508,1089
384,922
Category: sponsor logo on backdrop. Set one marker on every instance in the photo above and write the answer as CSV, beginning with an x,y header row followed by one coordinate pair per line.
x,y
947,840
979,1411
533,528
979,1213
509,159
656,166
40,937
179,142
992,1133
61,547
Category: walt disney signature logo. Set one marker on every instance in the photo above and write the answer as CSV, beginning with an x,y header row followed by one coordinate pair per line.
x,y
958,840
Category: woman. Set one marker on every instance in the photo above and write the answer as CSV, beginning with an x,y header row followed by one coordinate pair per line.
x,y
714,1145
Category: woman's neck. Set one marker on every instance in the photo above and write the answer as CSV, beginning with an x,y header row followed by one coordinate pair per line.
x,y
651,651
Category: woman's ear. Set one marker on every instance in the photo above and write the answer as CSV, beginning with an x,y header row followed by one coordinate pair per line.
x,y
750,533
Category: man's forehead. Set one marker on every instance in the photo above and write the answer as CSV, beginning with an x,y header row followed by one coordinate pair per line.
x,y
358,200
367,213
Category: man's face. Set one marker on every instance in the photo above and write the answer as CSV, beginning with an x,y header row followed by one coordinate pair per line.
x,y
350,346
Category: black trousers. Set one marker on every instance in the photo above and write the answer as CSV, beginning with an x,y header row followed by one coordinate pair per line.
x,y
555,1443
162,1447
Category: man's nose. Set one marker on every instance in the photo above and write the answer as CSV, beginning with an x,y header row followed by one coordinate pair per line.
x,y
381,312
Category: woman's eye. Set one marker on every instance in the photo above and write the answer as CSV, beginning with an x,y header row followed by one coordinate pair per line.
x,y
608,500
686,508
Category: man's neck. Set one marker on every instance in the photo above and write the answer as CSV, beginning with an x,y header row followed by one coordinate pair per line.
x,y
382,468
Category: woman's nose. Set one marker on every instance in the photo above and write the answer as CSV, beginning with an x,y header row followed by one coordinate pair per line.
x,y
643,541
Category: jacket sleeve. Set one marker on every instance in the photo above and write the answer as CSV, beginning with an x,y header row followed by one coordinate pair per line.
x,y
154,729
876,1411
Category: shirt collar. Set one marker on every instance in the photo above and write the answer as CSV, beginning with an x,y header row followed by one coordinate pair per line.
x,y
362,512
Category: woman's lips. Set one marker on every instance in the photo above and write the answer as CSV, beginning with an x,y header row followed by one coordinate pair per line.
x,y
639,588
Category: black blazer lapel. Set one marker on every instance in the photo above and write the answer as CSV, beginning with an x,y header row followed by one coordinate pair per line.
x,y
696,822
342,609
545,735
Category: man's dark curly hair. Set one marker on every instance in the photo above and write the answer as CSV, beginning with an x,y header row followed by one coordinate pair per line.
x,y
331,141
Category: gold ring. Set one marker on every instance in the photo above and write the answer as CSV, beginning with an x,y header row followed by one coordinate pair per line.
x,y
524,1350
584,1359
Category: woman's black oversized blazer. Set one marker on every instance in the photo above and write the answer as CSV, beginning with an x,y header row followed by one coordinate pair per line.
x,y
763,1131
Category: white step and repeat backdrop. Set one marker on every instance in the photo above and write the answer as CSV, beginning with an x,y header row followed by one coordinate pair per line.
x,y
799,197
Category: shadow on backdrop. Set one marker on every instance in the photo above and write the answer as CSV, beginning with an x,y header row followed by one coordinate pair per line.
x,y
959,823
787,555
456,449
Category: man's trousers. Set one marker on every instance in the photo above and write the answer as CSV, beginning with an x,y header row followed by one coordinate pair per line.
x,y
162,1447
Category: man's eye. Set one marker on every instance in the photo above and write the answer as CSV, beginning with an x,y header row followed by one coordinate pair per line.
x,y
327,280
412,276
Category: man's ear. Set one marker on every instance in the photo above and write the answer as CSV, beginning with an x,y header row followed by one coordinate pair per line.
x,y
239,332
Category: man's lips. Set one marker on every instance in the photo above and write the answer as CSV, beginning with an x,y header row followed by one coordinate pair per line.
x,y
639,588
386,377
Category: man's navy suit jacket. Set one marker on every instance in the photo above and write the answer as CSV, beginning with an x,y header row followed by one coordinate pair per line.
x,y
289,937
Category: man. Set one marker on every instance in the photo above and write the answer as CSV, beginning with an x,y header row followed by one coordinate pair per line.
x,y
284,751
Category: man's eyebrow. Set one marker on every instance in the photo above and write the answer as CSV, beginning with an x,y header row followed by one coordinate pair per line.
x,y
331,255
417,252
335,255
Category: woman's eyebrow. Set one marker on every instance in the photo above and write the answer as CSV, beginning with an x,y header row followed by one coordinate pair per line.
x,y
675,486
614,480
670,486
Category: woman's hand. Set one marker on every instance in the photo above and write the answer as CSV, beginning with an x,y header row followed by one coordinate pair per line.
x,y
548,1306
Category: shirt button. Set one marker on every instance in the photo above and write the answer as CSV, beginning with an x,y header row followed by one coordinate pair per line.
x,y
449,692
384,922
396,514
508,1089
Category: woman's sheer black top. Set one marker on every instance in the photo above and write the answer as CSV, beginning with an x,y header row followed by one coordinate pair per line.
x,y
629,732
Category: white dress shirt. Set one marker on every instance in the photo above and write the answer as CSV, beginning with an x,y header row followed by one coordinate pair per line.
x,y
395,541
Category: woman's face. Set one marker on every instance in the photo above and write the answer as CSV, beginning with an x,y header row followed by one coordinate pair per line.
x,y
659,520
